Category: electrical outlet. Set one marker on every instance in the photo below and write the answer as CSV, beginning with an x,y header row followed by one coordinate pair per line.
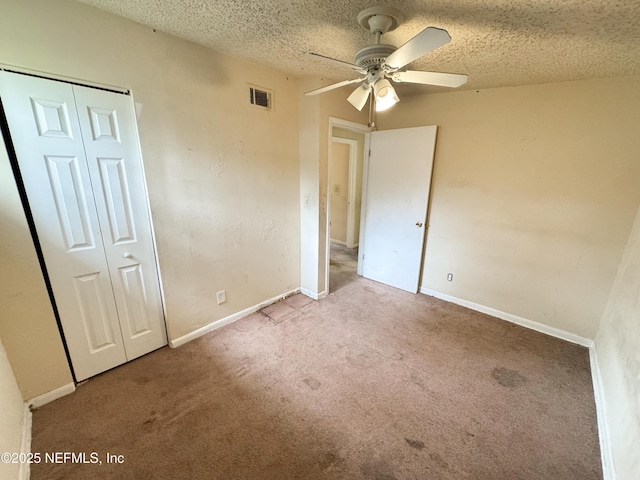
x,y
450,277
221,296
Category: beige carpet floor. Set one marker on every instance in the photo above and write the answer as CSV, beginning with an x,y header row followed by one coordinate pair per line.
x,y
369,383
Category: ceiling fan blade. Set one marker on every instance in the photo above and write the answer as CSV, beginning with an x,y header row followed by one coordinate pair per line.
x,y
428,39
431,78
333,86
337,62
359,96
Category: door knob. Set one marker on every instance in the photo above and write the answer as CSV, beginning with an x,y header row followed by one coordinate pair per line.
x,y
127,255
418,224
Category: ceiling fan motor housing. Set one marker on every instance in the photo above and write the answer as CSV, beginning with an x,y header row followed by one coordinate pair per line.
x,y
373,55
381,63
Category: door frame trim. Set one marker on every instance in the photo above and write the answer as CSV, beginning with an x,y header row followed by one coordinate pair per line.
x,y
154,243
351,187
61,78
359,128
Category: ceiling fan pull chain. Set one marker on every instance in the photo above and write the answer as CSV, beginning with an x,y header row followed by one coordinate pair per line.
x,y
372,111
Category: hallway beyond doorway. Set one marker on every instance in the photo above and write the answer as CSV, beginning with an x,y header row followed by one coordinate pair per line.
x,y
343,266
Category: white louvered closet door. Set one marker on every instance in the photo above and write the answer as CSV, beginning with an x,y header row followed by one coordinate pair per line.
x,y
78,154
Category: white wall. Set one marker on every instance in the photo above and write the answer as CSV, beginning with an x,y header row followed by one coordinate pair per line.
x,y
617,345
12,417
534,193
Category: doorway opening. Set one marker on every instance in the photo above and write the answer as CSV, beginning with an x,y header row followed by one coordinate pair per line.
x,y
345,188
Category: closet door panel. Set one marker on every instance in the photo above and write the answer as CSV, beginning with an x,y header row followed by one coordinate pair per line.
x,y
109,132
46,136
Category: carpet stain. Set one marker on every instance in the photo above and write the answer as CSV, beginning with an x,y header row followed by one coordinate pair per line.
x,y
330,460
417,444
312,383
380,470
508,378
438,460
417,381
152,418
398,356
241,371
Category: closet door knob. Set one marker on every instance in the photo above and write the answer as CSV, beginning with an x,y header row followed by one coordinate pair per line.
x,y
127,255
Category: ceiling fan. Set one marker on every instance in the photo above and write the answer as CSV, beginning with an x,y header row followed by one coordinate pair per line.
x,y
380,62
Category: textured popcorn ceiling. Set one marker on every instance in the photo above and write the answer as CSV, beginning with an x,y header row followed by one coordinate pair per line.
x,y
496,42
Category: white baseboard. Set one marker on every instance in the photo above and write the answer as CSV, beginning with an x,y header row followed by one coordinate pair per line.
x,y
25,444
49,397
226,320
608,468
530,324
314,295
308,293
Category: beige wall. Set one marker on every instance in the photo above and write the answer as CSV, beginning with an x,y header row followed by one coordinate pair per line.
x,y
309,151
12,417
27,325
223,176
314,114
617,345
339,190
360,138
534,193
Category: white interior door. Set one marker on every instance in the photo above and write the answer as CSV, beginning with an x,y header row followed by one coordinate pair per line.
x,y
397,196
85,197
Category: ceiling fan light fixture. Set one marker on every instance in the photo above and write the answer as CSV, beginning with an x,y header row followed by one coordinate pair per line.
x,y
380,60
359,96
385,95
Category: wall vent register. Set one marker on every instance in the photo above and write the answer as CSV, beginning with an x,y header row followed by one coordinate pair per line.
x,y
260,97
